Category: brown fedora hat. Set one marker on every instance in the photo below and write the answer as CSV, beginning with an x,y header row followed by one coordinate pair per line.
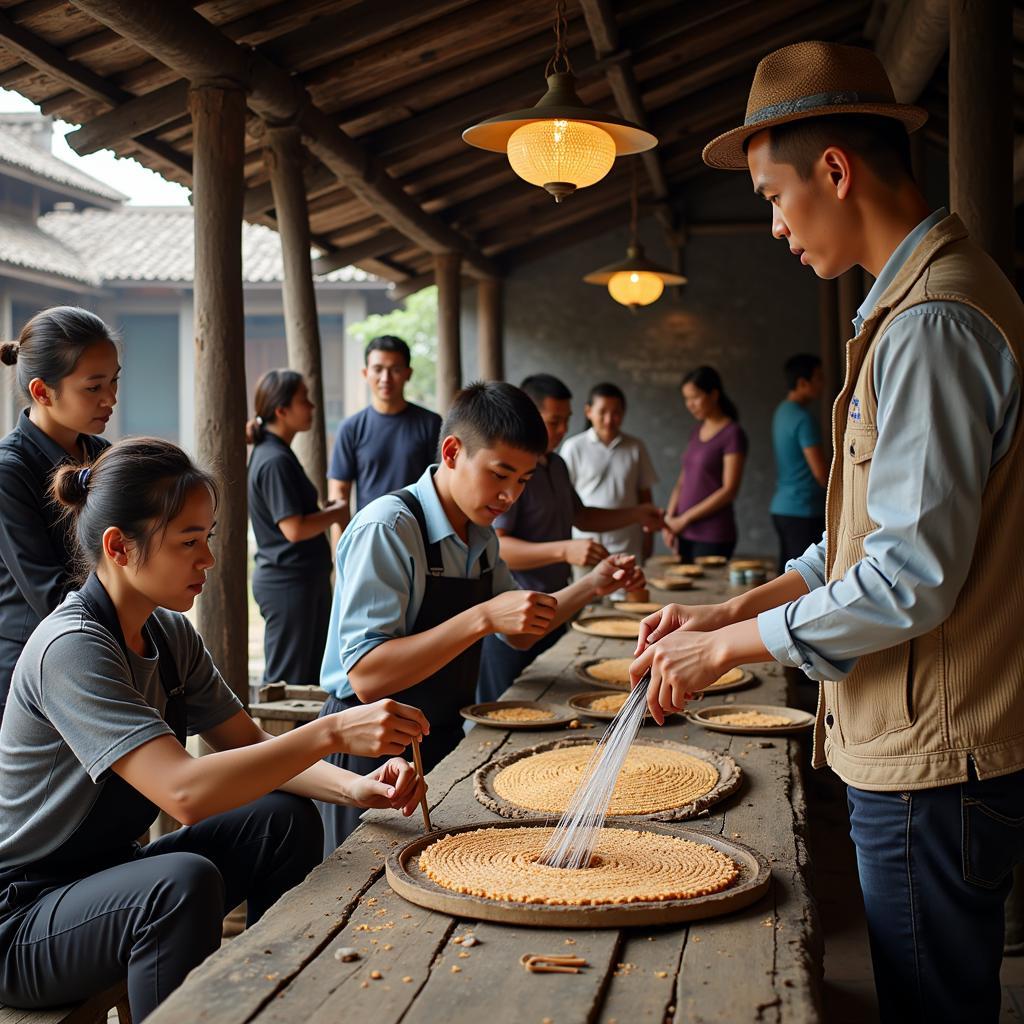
x,y
811,80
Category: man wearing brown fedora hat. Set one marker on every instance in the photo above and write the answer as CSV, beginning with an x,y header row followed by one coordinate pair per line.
x,y
909,611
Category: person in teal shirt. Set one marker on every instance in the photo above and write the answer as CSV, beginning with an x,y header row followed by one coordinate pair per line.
x,y
798,505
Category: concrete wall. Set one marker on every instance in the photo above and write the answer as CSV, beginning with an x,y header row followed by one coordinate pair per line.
x,y
749,305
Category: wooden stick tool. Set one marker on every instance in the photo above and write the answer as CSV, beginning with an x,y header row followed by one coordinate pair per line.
x,y
417,760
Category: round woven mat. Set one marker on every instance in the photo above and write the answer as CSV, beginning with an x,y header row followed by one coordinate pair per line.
x,y
628,867
660,779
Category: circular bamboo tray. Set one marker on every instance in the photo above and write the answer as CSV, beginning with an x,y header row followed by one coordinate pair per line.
x,y
730,778
801,720
596,625
641,609
406,879
584,676
582,703
711,561
671,582
478,713
745,681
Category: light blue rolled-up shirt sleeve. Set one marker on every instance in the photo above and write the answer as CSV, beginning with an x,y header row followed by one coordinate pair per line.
x,y
948,399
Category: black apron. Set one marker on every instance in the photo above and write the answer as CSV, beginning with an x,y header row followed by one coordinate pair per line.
x,y
441,695
120,814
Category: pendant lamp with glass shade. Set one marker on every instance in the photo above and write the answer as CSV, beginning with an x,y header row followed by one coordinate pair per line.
x,y
635,281
560,144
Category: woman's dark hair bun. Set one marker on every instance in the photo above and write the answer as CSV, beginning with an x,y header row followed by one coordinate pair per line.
x,y
9,353
71,487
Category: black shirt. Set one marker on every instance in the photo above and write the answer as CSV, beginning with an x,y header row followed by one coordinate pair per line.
x,y
36,545
279,488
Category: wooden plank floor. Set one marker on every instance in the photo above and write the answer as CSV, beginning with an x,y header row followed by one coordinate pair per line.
x,y
761,964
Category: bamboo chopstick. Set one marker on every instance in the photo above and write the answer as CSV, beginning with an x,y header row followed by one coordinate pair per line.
x,y
417,760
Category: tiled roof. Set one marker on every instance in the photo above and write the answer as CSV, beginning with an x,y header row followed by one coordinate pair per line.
x,y
23,244
17,150
154,243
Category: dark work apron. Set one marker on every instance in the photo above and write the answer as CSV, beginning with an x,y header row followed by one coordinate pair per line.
x,y
120,814
439,696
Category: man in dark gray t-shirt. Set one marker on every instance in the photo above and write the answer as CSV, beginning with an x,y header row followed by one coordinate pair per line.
x,y
389,444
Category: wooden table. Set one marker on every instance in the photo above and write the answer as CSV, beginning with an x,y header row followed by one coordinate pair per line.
x,y
760,964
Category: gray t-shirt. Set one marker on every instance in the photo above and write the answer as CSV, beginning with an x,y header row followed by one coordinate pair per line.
x,y
544,512
77,706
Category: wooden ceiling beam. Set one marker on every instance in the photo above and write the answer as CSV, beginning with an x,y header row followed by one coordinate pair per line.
x,y
740,56
373,247
196,50
912,49
131,118
85,82
604,33
356,28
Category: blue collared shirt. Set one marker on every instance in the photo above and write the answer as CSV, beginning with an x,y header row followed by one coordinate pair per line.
x,y
381,569
948,399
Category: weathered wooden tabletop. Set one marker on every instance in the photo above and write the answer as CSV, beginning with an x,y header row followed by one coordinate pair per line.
x,y
759,964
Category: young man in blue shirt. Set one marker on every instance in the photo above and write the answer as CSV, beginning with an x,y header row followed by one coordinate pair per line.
x,y
798,504
536,534
388,444
909,610
420,580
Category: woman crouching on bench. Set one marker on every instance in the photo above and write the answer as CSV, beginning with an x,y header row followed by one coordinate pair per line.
x,y
92,746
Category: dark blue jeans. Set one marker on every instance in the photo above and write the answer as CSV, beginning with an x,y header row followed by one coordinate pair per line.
x,y
500,665
936,867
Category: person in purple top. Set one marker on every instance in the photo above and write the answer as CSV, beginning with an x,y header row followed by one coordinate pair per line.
x,y
700,519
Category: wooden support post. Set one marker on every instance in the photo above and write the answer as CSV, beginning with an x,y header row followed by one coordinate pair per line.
x,y
489,329
447,267
218,124
284,157
981,123
831,361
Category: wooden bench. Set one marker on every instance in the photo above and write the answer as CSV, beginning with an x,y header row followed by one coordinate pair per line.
x,y
94,1010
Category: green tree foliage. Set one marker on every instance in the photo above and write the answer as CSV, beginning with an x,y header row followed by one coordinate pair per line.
x,y
416,324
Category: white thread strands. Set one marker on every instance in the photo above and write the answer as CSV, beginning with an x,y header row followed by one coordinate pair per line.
x,y
575,838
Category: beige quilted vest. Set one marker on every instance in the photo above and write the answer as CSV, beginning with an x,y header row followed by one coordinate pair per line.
x,y
915,715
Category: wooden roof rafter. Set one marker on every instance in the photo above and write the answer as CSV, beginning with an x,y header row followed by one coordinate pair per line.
x,y
194,48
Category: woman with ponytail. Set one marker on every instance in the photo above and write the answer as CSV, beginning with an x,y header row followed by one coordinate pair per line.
x,y
292,578
93,745
701,520
66,367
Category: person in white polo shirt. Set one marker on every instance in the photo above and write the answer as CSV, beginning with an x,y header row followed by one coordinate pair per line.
x,y
611,469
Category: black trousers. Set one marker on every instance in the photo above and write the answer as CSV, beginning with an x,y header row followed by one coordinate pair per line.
x,y
690,549
158,916
501,665
296,613
796,535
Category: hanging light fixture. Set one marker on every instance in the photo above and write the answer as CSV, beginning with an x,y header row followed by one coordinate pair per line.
x,y
560,144
635,281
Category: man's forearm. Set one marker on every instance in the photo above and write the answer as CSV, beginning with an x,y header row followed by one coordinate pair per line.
x,y
601,520
781,590
572,598
397,664
524,554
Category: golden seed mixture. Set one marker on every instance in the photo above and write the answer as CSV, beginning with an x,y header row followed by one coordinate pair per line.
x,y
628,867
519,715
752,718
613,702
613,671
734,675
609,626
653,779
712,560
686,569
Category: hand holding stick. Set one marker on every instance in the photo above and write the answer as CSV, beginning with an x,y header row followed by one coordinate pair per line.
x,y
418,762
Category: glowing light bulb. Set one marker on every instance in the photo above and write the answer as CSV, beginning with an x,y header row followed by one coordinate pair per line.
x,y
572,153
635,287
